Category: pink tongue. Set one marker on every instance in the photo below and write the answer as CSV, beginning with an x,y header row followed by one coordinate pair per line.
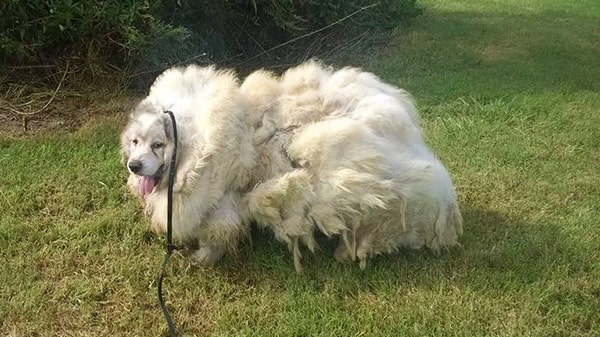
x,y
146,185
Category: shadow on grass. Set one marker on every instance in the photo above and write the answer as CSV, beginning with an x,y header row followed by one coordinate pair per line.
x,y
497,253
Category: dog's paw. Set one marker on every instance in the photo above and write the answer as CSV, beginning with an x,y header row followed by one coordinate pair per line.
x,y
208,255
346,249
342,255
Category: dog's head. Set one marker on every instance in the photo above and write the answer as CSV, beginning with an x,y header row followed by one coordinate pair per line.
x,y
147,146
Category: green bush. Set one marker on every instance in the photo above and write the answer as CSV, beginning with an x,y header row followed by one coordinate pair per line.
x,y
38,29
139,36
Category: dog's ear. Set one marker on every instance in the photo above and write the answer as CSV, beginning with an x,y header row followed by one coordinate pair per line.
x,y
126,138
125,142
128,131
168,125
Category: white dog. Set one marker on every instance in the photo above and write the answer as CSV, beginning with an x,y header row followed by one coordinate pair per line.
x,y
214,157
336,151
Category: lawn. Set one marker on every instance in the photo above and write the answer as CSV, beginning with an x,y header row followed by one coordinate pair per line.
x,y
509,93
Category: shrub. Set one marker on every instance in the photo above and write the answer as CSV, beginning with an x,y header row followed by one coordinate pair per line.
x,y
135,36
34,30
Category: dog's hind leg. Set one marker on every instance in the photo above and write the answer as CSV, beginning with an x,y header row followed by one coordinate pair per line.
x,y
447,227
457,219
364,249
346,249
297,254
362,259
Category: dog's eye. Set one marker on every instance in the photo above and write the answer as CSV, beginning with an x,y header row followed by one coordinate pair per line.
x,y
135,142
157,145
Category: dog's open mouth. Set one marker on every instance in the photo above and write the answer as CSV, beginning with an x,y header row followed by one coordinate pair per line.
x,y
148,183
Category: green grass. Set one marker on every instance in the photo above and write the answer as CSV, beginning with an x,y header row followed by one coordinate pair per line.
x,y
510,97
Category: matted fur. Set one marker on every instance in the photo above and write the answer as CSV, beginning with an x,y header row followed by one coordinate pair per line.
x,y
339,152
373,181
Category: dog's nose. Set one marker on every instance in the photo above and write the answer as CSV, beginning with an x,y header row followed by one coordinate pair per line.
x,y
135,166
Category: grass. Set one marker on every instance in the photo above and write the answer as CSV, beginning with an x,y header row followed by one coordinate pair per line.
x,y
509,93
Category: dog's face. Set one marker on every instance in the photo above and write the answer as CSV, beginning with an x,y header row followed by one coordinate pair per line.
x,y
147,146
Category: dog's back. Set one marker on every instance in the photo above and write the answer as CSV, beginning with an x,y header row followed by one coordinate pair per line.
x,y
373,181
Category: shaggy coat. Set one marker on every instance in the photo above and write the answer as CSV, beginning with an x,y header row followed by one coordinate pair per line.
x,y
339,152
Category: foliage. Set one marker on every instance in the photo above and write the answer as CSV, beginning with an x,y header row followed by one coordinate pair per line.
x,y
33,30
140,35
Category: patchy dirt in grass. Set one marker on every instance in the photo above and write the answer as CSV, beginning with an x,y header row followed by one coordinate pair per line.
x,y
63,115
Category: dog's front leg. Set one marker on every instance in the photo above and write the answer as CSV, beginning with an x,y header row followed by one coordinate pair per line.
x,y
221,231
208,254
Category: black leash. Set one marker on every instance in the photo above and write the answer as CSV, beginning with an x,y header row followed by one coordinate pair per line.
x,y
170,247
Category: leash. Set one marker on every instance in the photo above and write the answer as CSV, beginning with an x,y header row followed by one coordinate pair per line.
x,y
170,247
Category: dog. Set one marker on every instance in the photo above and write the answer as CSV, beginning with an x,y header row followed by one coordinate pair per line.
x,y
316,149
214,158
